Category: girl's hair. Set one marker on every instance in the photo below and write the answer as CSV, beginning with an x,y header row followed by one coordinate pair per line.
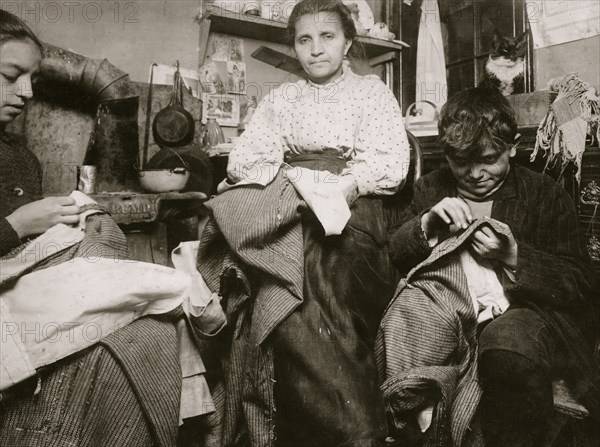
x,y
314,7
13,28
475,119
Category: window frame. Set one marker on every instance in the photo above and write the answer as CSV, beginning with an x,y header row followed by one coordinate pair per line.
x,y
410,19
520,24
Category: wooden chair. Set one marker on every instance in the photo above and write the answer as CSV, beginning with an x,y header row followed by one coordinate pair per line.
x,y
399,201
416,158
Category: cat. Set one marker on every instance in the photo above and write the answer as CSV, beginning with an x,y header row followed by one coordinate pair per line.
x,y
505,68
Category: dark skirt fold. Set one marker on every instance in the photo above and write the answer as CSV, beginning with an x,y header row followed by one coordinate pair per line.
x,y
326,389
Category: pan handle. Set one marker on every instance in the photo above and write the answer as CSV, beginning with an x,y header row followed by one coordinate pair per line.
x,y
177,85
180,90
185,163
144,159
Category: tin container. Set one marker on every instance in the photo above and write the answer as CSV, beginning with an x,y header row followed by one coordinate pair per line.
x,y
86,175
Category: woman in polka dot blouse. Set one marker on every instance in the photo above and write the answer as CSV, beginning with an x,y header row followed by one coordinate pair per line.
x,y
355,116
325,383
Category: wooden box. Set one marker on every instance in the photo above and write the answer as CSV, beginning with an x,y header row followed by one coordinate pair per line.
x,y
531,108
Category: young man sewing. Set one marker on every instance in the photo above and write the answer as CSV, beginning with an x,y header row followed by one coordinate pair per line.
x,y
530,278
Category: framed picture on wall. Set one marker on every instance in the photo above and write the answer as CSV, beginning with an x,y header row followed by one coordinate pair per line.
x,y
236,78
224,108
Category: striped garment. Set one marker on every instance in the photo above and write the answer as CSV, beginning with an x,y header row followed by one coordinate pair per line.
x,y
427,346
107,394
258,228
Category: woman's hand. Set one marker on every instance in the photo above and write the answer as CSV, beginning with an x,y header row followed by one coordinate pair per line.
x,y
37,217
488,244
448,211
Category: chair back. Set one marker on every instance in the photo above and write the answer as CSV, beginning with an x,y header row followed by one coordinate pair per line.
x,y
416,159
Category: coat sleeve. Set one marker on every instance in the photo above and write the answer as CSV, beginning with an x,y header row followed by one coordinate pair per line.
x,y
553,268
8,237
407,243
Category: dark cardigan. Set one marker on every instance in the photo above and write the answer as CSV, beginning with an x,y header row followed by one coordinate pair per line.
x,y
20,183
553,267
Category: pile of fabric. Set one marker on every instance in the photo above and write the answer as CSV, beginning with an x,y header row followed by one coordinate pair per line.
x,y
70,296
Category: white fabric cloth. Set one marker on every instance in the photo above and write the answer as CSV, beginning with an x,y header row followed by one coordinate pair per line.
x,y
56,239
49,314
431,63
203,306
322,192
357,115
61,310
487,293
15,364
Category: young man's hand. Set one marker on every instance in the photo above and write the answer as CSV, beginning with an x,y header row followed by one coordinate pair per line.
x,y
488,244
448,211
39,216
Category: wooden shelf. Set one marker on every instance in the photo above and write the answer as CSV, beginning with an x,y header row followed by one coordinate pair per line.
x,y
254,27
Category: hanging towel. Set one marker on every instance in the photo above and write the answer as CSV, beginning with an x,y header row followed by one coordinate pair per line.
x,y
431,64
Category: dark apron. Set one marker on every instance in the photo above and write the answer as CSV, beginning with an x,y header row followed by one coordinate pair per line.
x,y
327,391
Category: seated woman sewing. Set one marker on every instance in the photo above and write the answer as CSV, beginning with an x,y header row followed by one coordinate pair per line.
x,y
308,275
66,381
499,276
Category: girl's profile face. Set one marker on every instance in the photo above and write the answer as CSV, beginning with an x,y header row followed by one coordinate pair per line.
x,y
19,63
321,45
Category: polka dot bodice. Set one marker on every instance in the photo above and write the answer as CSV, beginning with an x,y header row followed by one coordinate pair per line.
x,y
356,115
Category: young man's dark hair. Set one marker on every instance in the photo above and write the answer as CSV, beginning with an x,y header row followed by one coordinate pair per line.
x,y
474,120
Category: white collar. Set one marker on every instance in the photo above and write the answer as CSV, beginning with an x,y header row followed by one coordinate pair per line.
x,y
337,81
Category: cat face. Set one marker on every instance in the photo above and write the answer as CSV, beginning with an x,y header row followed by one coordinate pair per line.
x,y
508,49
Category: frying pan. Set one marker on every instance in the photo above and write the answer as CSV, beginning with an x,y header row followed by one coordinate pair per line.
x,y
173,126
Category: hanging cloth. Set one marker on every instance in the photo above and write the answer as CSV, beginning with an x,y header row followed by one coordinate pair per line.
x,y
431,63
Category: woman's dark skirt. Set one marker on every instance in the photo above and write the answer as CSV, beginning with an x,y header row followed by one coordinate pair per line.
x,y
326,391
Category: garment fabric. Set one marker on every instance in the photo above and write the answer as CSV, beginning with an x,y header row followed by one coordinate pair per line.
x,y
485,288
554,277
518,398
427,346
18,361
105,395
91,299
90,397
250,228
300,343
357,116
326,386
